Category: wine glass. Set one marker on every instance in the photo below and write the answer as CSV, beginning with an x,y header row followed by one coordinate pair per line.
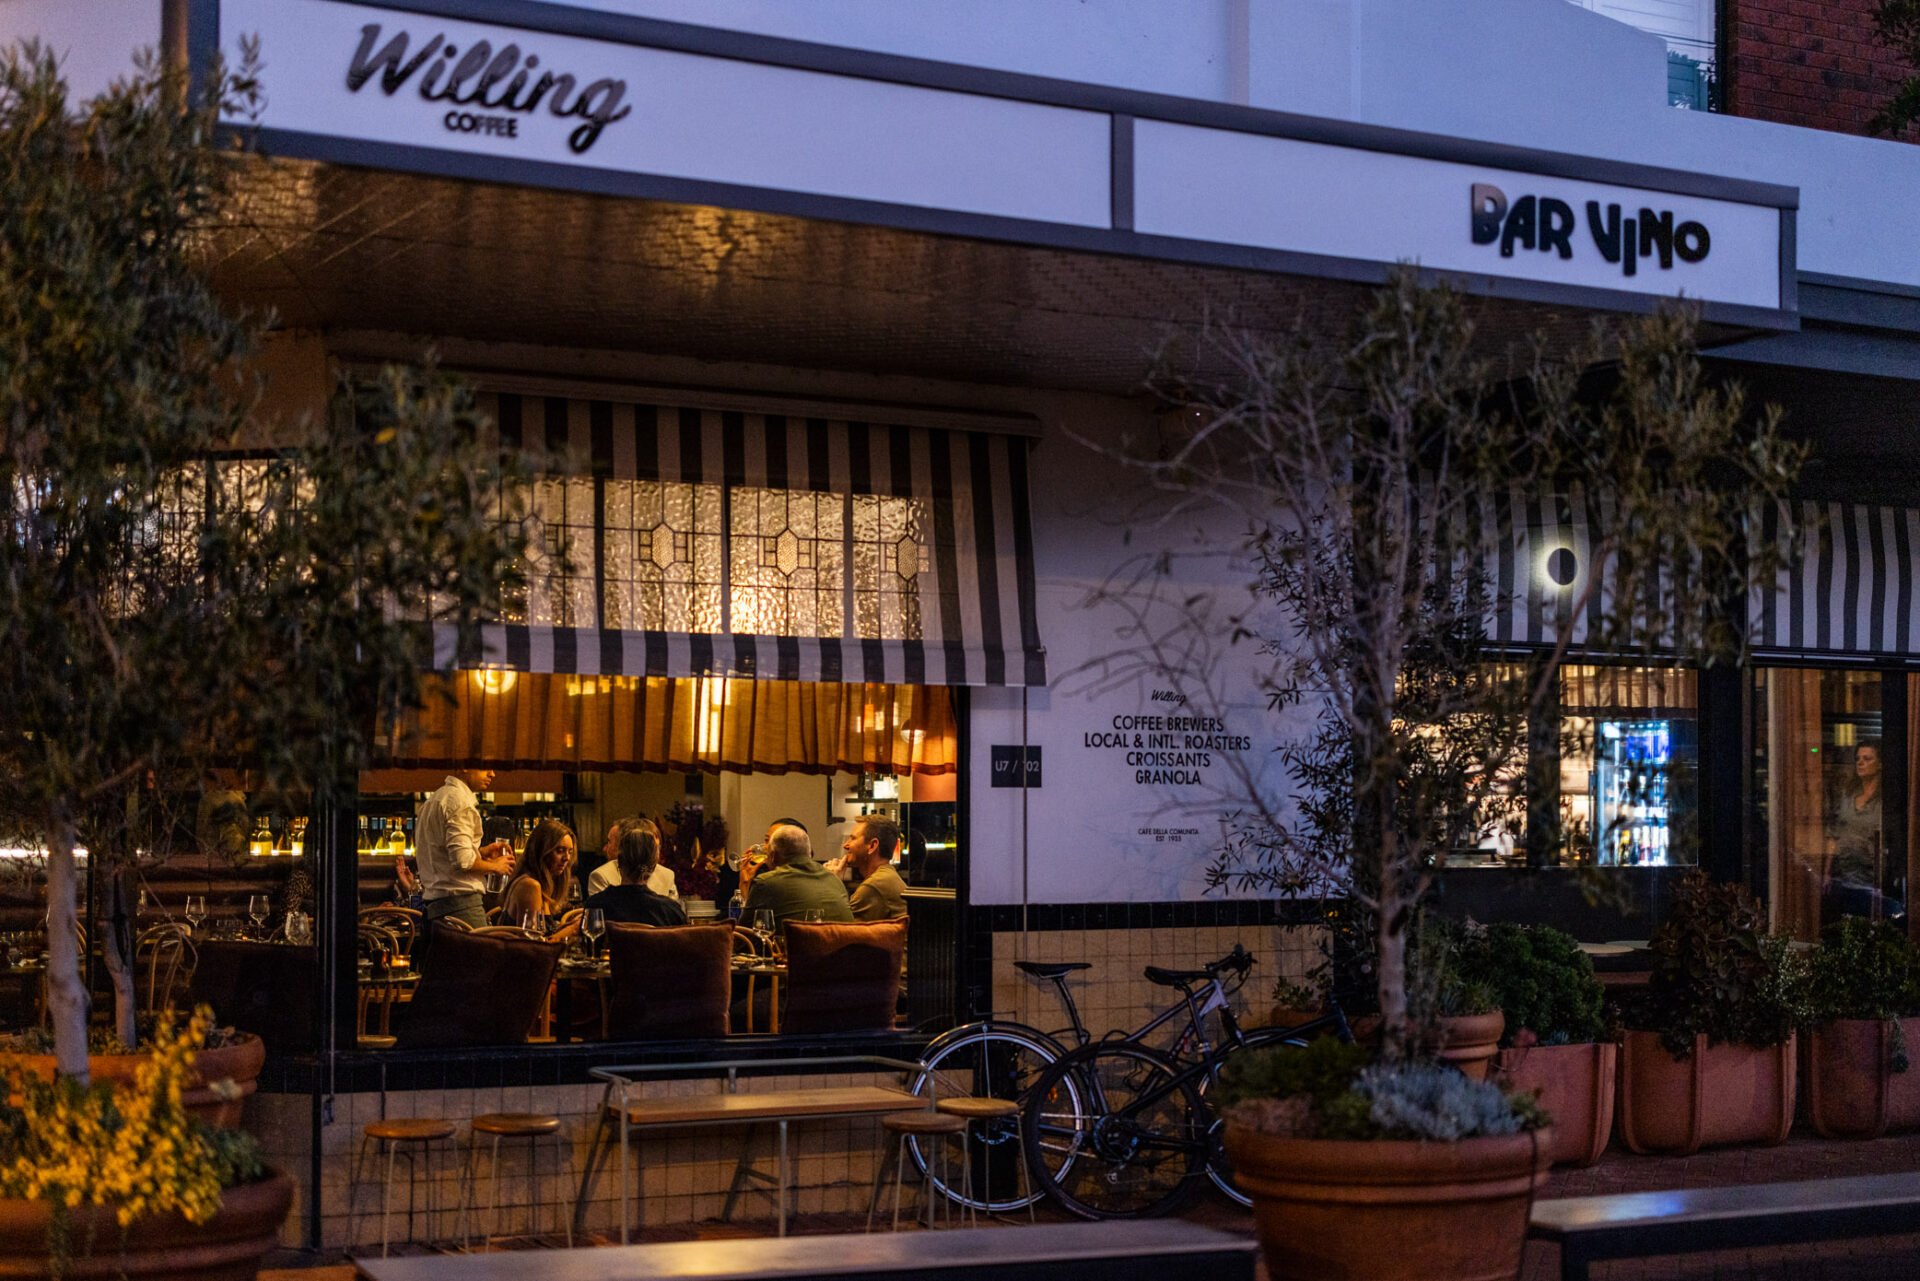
x,y
593,926
812,916
763,922
535,923
258,908
196,909
573,892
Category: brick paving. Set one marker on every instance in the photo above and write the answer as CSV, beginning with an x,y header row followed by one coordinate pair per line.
x,y
1801,1157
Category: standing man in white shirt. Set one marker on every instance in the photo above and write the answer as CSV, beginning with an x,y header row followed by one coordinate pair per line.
x,y
453,862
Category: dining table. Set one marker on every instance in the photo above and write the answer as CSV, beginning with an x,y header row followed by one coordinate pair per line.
x,y
598,971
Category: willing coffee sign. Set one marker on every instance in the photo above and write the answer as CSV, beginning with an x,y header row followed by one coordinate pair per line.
x,y
497,86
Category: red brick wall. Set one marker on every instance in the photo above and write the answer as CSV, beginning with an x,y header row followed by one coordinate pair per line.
x,y
1808,62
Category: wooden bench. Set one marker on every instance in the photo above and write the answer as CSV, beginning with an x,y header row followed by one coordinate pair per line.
x,y
1147,1250
622,1115
1632,1225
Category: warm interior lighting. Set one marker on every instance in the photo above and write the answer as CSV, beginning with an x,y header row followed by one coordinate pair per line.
x,y
496,680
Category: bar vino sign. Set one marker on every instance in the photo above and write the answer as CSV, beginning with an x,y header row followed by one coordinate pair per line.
x,y
1547,224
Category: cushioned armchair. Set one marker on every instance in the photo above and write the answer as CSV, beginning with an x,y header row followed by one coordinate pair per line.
x,y
843,978
668,982
478,989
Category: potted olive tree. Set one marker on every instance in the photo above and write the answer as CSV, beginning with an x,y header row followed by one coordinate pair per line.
x,y
175,600
1707,1056
1555,1044
1865,998
1371,474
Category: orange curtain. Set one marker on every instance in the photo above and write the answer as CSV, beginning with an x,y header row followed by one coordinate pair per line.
x,y
1796,800
518,720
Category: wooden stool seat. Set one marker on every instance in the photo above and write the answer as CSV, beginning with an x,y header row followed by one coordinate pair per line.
x,y
376,1042
923,1122
410,1130
978,1109
516,1125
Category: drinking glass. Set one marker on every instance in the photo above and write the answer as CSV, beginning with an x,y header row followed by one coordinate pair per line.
x,y
196,909
573,892
763,922
535,923
812,916
299,929
593,926
258,908
495,882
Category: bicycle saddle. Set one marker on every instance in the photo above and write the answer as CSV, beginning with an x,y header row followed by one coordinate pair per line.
x,y
1174,978
1050,969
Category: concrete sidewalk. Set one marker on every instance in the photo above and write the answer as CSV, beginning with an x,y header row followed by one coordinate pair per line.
x,y
1801,1157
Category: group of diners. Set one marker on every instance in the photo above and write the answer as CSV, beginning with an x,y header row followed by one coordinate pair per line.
x,y
782,876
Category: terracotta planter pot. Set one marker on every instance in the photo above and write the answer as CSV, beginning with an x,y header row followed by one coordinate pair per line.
x,y
1852,1090
1334,1210
1468,1041
1291,1016
228,1247
239,1063
1575,1084
1721,1094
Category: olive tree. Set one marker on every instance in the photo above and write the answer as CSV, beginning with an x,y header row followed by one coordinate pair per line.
x,y
171,606
1369,473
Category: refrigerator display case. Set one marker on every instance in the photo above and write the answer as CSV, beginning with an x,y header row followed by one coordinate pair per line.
x,y
1635,803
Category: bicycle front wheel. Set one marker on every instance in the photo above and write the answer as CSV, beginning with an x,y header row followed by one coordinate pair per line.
x,y
1115,1132
986,1061
1219,1168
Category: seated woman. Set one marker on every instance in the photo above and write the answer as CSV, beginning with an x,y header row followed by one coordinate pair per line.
x,y
545,870
631,901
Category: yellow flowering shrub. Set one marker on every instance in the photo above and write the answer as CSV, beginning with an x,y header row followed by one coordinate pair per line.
x,y
129,1147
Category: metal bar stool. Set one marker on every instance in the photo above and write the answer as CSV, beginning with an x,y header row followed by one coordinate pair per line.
x,y
921,1123
531,1126
991,1113
412,1138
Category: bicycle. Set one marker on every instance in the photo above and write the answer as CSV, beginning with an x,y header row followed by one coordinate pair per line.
x,y
1116,1129
1002,1058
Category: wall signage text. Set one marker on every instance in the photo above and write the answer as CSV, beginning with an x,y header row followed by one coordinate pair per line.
x,y
1006,764
499,82
1547,224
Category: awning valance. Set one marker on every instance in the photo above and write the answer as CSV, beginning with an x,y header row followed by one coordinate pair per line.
x,y
720,542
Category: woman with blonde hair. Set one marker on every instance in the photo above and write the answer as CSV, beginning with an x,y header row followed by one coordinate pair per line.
x,y
546,868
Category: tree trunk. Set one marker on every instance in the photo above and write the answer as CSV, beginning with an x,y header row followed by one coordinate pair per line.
x,y
1391,927
66,993
117,943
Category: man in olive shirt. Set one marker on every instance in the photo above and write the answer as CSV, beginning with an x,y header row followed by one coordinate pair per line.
x,y
792,883
881,895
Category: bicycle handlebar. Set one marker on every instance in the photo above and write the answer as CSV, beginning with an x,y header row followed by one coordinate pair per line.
x,y
1239,960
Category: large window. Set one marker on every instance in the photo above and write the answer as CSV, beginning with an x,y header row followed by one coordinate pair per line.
x,y
1690,28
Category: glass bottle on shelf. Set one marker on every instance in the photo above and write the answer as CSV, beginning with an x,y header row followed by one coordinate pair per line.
x,y
260,843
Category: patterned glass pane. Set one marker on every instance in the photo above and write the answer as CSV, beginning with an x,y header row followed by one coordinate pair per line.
x,y
788,562
663,556
892,563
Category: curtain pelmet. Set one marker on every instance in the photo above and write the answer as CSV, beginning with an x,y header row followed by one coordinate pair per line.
x,y
526,720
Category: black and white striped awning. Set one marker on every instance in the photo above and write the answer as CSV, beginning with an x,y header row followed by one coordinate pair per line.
x,y
973,616
1847,589
1851,588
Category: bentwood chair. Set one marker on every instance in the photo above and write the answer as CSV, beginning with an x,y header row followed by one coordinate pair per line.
x,y
164,958
402,922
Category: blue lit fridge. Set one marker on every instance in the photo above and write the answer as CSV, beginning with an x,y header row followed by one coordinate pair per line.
x,y
1640,784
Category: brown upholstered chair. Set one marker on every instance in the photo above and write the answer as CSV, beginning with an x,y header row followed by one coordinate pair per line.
x,y
843,978
672,981
478,989
264,988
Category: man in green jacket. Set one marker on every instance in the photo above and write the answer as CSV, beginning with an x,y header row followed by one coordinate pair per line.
x,y
792,884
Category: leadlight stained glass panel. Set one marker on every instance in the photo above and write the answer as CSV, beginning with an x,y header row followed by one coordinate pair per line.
x,y
788,562
892,563
664,556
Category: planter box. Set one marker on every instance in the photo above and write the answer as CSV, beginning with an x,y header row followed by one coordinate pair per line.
x,y
1722,1094
239,1063
227,1247
1852,1090
1338,1210
1575,1084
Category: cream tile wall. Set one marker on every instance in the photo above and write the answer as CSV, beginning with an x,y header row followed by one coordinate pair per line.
x,y
1115,994
683,1177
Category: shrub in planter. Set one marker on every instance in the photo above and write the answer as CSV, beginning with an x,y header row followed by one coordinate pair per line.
x,y
1865,994
1708,1055
1456,1009
116,1179
1555,1044
1381,1169
225,1067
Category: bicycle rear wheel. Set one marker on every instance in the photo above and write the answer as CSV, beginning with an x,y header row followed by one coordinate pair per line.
x,y
1113,1132
986,1061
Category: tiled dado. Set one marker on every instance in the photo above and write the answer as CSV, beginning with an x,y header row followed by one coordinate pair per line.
x,y
682,1176
1115,994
